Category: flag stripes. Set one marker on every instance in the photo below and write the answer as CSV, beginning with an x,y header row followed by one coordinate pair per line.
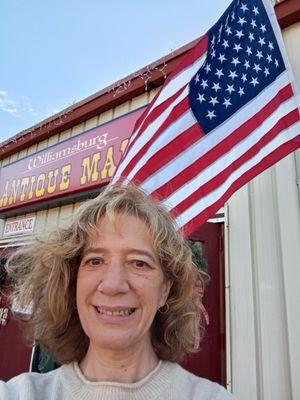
x,y
202,157
173,92
225,168
206,207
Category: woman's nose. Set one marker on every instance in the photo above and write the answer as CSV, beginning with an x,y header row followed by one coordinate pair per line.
x,y
114,279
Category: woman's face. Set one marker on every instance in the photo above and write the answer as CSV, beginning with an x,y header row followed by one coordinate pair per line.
x,y
120,284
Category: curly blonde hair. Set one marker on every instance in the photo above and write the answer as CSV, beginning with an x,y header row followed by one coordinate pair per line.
x,y
44,279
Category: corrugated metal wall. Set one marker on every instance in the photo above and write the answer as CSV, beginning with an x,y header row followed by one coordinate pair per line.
x,y
50,218
263,276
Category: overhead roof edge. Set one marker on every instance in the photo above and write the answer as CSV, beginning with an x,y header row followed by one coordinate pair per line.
x,y
97,102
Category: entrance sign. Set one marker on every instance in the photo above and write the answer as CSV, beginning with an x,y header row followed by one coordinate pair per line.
x,y
24,225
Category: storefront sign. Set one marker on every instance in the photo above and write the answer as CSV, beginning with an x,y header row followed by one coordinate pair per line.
x,y
84,162
18,226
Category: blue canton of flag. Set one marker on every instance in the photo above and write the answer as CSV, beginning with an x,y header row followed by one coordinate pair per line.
x,y
243,58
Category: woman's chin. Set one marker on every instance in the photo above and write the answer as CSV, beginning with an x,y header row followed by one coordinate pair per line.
x,y
114,332
113,342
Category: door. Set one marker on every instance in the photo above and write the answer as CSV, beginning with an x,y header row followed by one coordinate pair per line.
x,y
210,361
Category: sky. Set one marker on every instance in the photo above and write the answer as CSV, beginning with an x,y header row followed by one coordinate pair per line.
x,y
55,53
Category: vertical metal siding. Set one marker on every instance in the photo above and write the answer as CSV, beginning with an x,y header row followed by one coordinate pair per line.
x,y
263,237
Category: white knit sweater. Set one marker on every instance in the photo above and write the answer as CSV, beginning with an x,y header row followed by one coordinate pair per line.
x,y
167,381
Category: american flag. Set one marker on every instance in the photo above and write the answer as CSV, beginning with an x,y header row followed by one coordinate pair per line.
x,y
227,113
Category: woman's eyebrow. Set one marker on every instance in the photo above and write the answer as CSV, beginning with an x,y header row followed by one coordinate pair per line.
x,y
143,253
93,250
146,253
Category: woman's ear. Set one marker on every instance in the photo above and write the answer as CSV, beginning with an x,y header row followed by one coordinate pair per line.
x,y
165,291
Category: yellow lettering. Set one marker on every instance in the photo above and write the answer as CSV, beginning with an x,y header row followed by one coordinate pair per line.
x,y
24,186
14,190
109,166
40,185
4,198
52,178
123,145
90,169
65,177
32,182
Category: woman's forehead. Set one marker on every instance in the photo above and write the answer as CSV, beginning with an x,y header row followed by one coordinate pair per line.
x,y
122,225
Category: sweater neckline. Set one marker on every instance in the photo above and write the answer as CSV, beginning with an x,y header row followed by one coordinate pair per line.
x,y
150,387
115,383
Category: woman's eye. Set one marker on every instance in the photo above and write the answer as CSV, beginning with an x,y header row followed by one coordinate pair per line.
x,y
95,262
140,264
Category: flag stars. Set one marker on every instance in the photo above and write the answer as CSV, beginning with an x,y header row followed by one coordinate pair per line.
x,y
263,28
225,44
244,8
210,114
269,58
271,46
200,98
235,61
228,31
249,51
244,78
230,89
239,34
256,68
232,75
213,100
219,73
216,87
240,63
254,82
259,54
237,47
204,83
253,23
241,91
251,37
247,64
241,21
227,103
222,58
207,68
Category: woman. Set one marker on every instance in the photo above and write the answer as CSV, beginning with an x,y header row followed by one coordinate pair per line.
x,y
112,299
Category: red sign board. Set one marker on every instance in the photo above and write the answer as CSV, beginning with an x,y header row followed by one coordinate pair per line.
x,y
81,163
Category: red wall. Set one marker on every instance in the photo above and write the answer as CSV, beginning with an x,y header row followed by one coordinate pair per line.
x,y
14,355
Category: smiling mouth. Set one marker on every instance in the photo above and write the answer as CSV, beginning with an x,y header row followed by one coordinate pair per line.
x,y
116,313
